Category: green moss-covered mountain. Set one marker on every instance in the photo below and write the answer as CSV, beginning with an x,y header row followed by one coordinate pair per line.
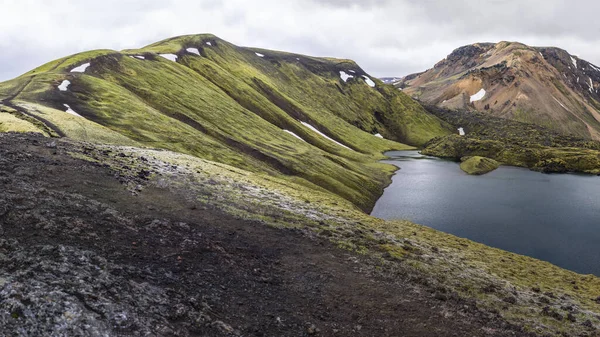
x,y
252,108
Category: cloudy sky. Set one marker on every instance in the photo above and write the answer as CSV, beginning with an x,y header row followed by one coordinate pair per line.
x,y
386,37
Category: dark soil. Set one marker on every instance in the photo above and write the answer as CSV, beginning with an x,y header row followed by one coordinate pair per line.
x,y
81,255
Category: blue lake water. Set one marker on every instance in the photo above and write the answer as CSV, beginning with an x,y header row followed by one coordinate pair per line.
x,y
552,217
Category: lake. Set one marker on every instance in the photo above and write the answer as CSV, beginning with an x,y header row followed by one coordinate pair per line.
x,y
552,217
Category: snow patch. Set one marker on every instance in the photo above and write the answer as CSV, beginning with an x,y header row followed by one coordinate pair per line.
x,y
193,51
591,86
344,76
170,57
369,81
478,96
378,135
593,66
208,43
259,54
574,61
297,58
81,68
557,101
352,71
64,85
293,134
461,131
71,111
324,135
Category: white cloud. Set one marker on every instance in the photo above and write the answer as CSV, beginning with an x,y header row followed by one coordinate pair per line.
x,y
385,37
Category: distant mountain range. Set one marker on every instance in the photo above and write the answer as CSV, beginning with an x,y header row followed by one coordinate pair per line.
x,y
390,80
542,85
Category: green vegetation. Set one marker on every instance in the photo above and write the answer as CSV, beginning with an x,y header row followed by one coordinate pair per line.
x,y
478,165
232,106
9,122
514,143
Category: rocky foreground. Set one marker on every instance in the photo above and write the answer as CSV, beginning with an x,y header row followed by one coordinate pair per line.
x,y
107,241
106,248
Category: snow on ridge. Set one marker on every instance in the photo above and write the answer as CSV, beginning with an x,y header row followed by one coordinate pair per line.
x,y
574,61
71,111
324,135
591,85
378,135
293,134
344,76
352,71
461,131
81,68
170,57
208,43
478,96
594,67
369,81
140,57
64,85
193,51
259,54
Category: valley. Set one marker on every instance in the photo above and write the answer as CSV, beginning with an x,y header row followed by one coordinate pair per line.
x,y
194,187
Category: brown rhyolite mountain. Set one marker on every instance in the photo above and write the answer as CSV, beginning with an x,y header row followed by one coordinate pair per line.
x,y
542,85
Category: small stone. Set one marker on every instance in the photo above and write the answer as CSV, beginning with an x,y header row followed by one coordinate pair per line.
x,y
51,144
312,330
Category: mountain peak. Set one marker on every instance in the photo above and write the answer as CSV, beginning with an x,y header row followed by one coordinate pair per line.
x,y
543,85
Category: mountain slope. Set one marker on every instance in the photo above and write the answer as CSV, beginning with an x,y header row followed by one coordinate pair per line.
x,y
203,96
545,86
112,240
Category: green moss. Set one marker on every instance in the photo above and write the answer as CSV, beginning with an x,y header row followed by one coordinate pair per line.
x,y
10,123
478,165
230,105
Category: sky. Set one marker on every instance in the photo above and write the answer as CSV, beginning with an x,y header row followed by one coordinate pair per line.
x,y
385,37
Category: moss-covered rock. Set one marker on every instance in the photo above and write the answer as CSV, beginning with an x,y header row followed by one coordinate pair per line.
x,y
477,165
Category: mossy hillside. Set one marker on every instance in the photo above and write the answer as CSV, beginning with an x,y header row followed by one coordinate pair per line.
x,y
291,78
230,105
514,143
75,127
478,165
540,158
9,122
521,289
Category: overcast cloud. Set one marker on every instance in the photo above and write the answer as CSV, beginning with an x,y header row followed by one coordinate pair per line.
x,y
385,37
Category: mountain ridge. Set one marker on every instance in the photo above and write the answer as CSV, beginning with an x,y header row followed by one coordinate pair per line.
x,y
201,95
542,85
